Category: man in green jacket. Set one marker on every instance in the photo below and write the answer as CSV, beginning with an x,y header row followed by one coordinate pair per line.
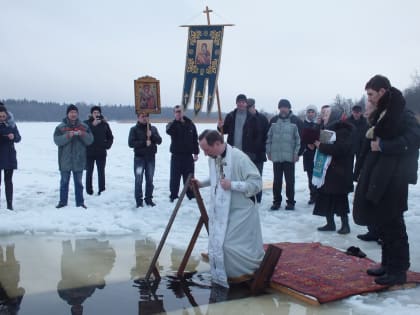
x,y
72,137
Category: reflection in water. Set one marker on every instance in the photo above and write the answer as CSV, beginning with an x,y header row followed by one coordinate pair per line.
x,y
145,250
83,270
171,292
10,294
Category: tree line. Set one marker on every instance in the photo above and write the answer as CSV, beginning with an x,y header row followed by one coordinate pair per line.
x,y
31,110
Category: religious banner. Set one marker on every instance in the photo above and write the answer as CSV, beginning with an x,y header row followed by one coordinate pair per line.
x,y
202,65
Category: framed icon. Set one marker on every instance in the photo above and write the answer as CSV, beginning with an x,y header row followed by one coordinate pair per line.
x,y
147,95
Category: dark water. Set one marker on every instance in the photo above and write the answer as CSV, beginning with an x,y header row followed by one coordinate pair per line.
x,y
91,276
134,297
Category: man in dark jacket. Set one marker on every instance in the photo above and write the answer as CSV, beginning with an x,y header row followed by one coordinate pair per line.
x,y
242,130
310,133
360,127
96,152
390,164
262,125
144,138
72,137
184,149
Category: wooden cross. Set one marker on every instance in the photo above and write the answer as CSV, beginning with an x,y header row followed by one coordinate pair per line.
x,y
207,11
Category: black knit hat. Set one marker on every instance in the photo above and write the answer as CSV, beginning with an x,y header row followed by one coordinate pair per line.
x,y
72,107
240,97
284,103
98,108
357,108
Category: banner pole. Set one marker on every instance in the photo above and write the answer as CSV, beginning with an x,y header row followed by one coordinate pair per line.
x,y
219,109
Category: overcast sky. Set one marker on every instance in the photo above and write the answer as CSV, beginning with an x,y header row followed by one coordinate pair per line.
x,y
306,51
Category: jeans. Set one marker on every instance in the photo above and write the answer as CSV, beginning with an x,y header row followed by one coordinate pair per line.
x,y
146,167
100,167
288,168
78,187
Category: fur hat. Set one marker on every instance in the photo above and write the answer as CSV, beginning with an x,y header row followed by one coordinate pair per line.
x,y
98,108
285,103
312,107
71,107
240,97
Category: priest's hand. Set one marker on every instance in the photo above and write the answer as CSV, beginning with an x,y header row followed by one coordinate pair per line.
x,y
226,184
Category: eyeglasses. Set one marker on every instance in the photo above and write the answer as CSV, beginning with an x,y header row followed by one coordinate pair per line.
x,y
178,111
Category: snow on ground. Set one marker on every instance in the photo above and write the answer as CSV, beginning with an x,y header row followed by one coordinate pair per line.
x,y
36,187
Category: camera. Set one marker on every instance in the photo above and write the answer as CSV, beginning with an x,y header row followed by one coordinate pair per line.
x,y
99,117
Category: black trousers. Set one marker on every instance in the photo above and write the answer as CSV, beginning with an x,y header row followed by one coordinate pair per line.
x,y
288,169
312,187
395,247
181,165
100,167
8,174
260,166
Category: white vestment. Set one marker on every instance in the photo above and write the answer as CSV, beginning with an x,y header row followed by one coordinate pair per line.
x,y
235,239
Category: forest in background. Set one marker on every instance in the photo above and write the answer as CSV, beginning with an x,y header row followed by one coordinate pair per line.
x,y
32,110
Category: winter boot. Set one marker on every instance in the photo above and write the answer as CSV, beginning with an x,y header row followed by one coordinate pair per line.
x,y
392,278
330,226
345,228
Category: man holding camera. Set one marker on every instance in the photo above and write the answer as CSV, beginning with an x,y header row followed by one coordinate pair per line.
x,y
72,137
96,152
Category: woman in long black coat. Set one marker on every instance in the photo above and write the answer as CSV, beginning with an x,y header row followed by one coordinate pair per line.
x,y
9,134
332,196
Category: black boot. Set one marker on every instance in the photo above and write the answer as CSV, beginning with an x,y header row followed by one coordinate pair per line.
x,y
376,272
9,195
392,278
345,228
330,226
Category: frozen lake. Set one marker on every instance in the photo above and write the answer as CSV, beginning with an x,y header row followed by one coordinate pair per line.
x,y
40,234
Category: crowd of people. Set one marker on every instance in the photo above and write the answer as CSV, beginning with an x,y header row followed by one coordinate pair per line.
x,y
378,150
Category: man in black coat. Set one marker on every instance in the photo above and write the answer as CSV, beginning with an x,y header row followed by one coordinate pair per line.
x,y
360,127
96,152
262,125
389,165
184,149
243,130
310,133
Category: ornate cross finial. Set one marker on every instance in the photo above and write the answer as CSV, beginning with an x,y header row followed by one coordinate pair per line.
x,y
207,11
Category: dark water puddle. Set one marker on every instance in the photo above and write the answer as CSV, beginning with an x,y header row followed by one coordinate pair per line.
x,y
134,297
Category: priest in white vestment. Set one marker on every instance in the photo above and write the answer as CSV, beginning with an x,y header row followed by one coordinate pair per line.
x,y
235,239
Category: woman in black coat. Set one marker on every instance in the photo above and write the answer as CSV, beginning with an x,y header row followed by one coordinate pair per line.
x,y
9,134
332,196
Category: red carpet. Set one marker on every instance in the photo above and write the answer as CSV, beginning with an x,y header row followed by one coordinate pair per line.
x,y
324,273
